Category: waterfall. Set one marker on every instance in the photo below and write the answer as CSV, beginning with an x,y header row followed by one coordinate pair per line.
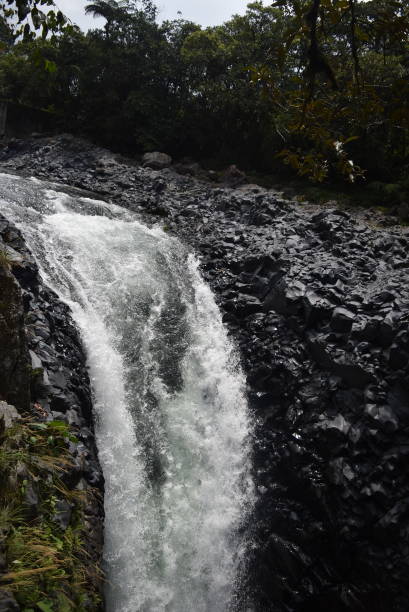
x,y
170,412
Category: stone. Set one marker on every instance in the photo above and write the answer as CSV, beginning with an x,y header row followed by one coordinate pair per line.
x,y
316,308
189,168
398,358
251,188
342,320
233,177
31,497
156,160
387,330
62,514
384,414
339,423
244,305
8,414
354,374
8,603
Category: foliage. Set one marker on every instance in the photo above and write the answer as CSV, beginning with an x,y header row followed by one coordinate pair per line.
x,y
360,52
25,17
321,85
48,568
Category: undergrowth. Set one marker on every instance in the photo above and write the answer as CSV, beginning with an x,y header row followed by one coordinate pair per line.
x,y
48,568
6,260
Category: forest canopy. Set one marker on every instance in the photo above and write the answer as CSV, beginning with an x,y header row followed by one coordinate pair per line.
x,y
319,86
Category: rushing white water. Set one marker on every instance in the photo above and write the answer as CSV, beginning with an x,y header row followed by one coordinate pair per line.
x,y
171,417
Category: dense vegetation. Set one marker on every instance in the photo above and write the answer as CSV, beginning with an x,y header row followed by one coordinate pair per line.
x,y
318,86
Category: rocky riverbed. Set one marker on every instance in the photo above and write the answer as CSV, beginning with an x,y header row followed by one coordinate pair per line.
x,y
318,301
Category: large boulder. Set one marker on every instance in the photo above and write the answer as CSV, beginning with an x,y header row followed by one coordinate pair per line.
x,y
156,160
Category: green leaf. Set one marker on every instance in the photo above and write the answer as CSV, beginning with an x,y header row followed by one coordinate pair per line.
x,y
45,606
50,66
59,544
350,139
61,425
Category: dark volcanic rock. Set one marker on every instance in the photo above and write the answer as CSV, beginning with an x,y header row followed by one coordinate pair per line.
x,y
156,161
43,373
319,306
342,320
14,357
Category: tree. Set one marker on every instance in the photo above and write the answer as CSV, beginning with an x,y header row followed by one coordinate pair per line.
x,y
322,86
108,9
334,101
26,17
7,36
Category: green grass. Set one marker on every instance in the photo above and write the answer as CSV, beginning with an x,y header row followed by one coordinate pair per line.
x,y
6,260
48,568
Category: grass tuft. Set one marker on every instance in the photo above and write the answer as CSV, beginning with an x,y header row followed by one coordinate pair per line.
x,y
48,568
6,260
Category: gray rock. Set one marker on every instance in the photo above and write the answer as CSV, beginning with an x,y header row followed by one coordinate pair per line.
x,y
156,160
234,177
342,320
8,603
36,362
339,423
31,496
62,515
8,414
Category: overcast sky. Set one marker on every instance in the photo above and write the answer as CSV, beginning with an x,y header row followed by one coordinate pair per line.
x,y
205,12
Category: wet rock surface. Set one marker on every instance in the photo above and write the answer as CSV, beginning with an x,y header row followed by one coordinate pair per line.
x,y
14,375
319,305
50,381
57,372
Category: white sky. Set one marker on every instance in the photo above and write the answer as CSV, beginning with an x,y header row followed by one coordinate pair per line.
x,y
205,12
